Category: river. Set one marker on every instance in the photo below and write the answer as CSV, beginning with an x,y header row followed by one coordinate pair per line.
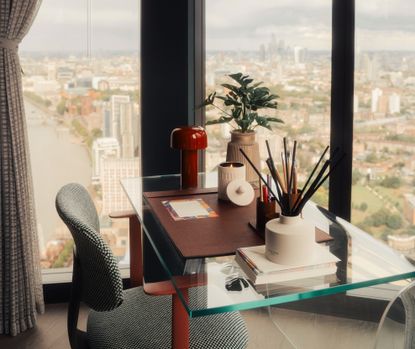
x,y
56,160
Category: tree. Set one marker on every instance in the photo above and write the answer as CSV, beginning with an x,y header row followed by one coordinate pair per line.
x,y
394,221
61,107
391,182
356,176
363,206
372,158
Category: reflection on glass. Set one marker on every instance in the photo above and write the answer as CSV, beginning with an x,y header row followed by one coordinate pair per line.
x,y
82,106
383,203
288,47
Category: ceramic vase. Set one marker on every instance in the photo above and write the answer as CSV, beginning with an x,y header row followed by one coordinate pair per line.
x,y
290,240
247,142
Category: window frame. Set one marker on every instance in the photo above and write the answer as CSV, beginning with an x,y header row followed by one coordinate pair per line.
x,y
342,91
189,59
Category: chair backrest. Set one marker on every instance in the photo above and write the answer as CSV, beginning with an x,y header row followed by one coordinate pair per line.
x,y
101,283
398,321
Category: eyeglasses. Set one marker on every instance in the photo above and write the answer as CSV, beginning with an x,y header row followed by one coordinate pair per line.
x,y
236,283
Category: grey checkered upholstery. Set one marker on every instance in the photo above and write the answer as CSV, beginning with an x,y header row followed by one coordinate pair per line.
x,y
101,279
131,319
144,322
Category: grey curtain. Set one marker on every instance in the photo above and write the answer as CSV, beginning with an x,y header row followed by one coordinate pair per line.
x,y
20,284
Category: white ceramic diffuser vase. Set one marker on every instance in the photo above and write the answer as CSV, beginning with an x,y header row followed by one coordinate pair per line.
x,y
290,240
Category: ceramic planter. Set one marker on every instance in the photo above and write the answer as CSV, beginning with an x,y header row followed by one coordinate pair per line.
x,y
247,142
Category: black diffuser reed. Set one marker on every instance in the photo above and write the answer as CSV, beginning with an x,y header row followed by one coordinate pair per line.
x,y
290,198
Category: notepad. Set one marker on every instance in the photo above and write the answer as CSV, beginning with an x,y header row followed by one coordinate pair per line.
x,y
189,209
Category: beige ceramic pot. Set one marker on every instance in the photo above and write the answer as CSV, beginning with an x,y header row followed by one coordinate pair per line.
x,y
247,142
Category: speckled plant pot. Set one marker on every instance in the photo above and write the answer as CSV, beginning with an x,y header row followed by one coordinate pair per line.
x,y
246,142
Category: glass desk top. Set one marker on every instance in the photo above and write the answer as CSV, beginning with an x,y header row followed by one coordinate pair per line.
x,y
364,261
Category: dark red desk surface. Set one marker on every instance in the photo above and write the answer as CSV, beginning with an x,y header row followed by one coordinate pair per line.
x,y
206,237
209,237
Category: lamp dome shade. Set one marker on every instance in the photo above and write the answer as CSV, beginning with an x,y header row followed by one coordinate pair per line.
x,y
188,138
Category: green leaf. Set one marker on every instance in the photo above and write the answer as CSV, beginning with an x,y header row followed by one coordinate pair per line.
x,y
244,99
221,120
229,101
236,112
275,120
209,100
233,88
257,84
237,77
263,121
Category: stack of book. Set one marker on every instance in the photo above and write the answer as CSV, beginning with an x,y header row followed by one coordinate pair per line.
x,y
260,271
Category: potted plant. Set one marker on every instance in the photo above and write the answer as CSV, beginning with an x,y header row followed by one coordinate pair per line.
x,y
242,105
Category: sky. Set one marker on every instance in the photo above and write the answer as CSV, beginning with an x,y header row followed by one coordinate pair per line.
x,y
230,24
61,25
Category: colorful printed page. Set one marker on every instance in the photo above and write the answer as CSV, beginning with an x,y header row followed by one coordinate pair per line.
x,y
189,209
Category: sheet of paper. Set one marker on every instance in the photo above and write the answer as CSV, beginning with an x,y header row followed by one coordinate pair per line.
x,y
189,209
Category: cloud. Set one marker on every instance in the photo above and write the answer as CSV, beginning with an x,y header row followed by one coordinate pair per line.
x,y
230,24
61,25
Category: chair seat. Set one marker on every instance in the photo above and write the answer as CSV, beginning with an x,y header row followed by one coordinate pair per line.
x,y
144,321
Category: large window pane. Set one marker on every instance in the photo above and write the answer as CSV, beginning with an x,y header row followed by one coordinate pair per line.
x,y
383,201
287,45
81,66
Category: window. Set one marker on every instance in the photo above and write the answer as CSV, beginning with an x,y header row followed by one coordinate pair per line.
x,y
383,199
81,86
287,45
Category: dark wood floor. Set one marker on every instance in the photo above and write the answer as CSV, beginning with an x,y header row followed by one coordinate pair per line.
x,y
49,333
307,330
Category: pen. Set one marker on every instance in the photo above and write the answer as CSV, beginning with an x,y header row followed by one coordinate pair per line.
x,y
260,191
264,194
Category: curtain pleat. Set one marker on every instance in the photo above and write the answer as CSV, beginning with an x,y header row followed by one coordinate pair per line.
x,y
21,296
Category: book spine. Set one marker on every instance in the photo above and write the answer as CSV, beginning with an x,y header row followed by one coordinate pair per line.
x,y
267,278
249,262
245,268
305,268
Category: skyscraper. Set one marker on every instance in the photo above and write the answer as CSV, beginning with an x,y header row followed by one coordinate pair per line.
x,y
394,103
262,53
106,121
113,170
122,123
103,148
376,93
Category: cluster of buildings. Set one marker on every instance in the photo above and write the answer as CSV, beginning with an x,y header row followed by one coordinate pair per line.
x,y
384,108
101,97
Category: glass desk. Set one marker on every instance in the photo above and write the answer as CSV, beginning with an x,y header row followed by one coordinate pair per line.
x,y
200,283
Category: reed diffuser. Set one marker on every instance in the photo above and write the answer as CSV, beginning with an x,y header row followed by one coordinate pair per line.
x,y
290,240
289,197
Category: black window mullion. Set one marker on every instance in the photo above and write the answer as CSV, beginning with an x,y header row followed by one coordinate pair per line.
x,y
197,61
342,89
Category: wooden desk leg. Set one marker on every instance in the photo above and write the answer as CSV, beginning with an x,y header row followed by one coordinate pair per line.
x,y
136,259
180,322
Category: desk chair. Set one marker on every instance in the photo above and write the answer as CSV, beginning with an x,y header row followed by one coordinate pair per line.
x,y
125,319
397,325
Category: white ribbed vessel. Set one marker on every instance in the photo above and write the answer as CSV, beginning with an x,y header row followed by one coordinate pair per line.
x,y
290,240
247,142
227,172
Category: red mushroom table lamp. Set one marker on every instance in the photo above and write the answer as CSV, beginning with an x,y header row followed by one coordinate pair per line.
x,y
189,140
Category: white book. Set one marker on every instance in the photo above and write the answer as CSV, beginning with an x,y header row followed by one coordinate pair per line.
x,y
296,286
260,270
